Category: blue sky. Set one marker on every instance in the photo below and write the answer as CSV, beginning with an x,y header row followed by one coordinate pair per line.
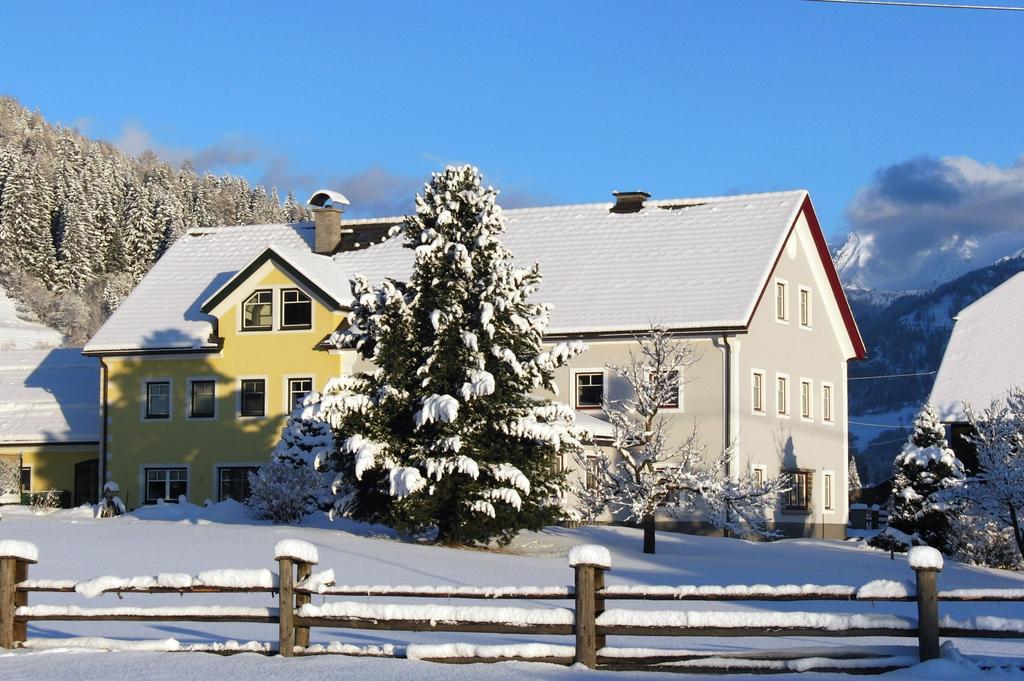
x,y
555,101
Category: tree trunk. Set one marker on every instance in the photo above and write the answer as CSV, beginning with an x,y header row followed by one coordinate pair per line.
x,y
649,537
1015,521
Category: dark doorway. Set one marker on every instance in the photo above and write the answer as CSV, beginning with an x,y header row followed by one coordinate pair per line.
x,y
87,482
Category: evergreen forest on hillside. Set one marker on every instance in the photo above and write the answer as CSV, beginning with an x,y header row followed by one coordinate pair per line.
x,y
81,221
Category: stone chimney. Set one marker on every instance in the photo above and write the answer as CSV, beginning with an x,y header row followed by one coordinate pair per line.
x,y
327,207
629,202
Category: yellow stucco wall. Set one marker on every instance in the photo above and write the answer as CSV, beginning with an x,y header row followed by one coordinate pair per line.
x,y
201,445
53,465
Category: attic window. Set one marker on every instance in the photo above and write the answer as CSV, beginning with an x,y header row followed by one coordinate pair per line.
x,y
296,309
258,311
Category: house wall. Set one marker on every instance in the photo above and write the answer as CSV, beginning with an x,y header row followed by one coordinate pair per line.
x,y
202,445
817,354
53,465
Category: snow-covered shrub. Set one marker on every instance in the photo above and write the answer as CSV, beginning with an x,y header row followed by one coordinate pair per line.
x,y
283,492
10,475
111,504
924,473
45,501
978,540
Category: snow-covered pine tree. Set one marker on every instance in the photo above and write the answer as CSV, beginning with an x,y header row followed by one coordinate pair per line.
x,y
997,491
25,223
445,433
649,472
922,472
853,482
293,212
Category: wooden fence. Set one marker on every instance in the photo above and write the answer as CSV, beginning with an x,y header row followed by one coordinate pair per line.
x,y
589,620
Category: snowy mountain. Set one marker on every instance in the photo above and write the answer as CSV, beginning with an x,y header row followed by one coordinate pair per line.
x,y
906,333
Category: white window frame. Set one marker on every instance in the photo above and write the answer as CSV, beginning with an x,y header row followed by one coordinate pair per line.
x,y
661,407
828,490
810,399
785,301
245,301
238,396
756,469
287,396
783,414
763,411
281,307
143,479
575,393
831,411
144,406
188,398
810,308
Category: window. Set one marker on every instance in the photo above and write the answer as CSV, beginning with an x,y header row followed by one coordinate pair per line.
x,y
805,399
798,498
670,383
258,312
591,473
782,395
589,389
297,389
758,475
556,464
829,492
254,397
233,482
166,483
26,479
757,389
826,402
781,311
158,400
203,402
805,307
296,310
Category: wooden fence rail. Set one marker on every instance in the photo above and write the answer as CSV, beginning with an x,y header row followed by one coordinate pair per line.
x,y
589,621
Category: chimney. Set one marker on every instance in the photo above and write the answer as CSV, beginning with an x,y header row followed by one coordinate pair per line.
x,y
629,202
327,208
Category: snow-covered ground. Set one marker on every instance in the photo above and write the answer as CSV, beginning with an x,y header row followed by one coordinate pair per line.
x,y
171,539
20,334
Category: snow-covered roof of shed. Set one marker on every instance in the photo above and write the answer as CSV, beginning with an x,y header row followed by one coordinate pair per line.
x,y
685,263
698,263
983,358
49,396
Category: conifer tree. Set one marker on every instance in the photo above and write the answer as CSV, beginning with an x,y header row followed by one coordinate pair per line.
x,y
25,223
924,470
445,434
853,475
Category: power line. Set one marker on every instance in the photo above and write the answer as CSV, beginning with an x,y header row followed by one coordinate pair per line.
x,y
884,442
864,378
929,5
879,425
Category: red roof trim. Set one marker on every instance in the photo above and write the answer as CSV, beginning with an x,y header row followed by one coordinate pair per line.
x,y
807,210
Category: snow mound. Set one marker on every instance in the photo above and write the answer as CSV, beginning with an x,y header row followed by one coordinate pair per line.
x,y
13,548
590,554
886,588
924,558
296,549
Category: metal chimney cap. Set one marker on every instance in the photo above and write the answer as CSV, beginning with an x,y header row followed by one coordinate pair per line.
x,y
629,202
321,197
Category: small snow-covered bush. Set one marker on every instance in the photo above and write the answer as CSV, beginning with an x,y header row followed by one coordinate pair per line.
x,y
10,475
283,492
110,505
44,502
980,541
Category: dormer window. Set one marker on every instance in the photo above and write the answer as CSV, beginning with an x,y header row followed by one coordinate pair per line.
x,y
258,311
296,309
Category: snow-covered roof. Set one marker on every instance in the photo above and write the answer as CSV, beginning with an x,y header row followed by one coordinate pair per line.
x,y
698,263
983,358
49,396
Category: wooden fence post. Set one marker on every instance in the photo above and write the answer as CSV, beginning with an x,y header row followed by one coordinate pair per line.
x,y
286,607
589,563
15,557
302,572
927,568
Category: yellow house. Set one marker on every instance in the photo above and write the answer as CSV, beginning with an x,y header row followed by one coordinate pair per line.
x,y
49,423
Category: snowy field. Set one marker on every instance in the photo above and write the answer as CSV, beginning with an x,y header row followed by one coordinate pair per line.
x,y
73,545
20,334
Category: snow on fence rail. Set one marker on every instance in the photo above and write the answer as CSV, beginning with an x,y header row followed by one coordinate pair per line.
x,y
588,622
